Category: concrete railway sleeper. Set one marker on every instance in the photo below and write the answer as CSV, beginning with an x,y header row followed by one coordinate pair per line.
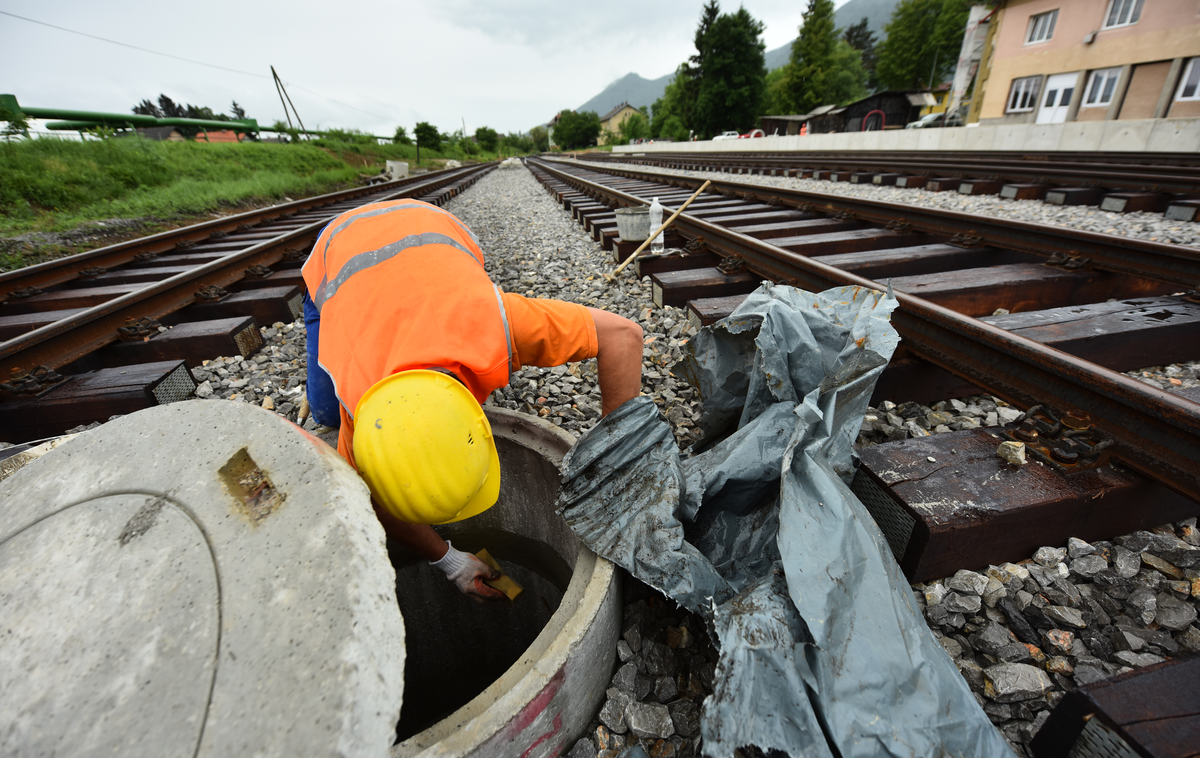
x,y
1166,183
76,331
1046,352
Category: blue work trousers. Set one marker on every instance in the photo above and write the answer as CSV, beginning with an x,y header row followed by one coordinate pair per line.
x,y
322,400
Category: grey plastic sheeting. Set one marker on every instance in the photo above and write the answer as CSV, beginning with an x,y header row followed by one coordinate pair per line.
x,y
823,649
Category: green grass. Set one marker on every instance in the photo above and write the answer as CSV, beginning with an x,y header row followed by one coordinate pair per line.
x,y
51,185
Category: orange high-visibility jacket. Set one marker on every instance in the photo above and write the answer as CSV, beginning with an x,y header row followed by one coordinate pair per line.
x,y
401,285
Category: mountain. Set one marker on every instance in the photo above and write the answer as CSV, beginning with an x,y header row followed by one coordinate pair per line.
x,y
877,13
640,92
631,89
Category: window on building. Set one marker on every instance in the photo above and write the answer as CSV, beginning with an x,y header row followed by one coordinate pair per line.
x,y
1189,86
1100,87
1123,13
1024,94
1041,27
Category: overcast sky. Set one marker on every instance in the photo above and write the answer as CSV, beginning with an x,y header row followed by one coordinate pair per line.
x,y
509,65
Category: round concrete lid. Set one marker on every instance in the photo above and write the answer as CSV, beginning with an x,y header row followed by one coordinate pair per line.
x,y
196,579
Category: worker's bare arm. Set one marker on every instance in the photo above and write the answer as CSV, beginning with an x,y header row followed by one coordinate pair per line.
x,y
420,538
618,358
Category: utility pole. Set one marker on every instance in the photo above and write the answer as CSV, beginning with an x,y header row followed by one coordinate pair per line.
x,y
283,94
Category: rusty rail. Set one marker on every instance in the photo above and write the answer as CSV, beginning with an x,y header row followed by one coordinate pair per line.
x,y
1154,431
1167,172
49,273
57,344
1174,264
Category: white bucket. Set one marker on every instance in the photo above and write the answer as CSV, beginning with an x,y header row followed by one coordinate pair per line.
x,y
634,223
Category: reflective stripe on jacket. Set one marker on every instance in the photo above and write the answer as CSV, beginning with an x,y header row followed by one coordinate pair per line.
x,y
401,285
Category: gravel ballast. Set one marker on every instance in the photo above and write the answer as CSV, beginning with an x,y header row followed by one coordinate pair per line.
x,y
1022,634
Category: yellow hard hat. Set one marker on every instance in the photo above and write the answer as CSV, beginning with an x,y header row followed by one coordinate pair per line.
x,y
425,448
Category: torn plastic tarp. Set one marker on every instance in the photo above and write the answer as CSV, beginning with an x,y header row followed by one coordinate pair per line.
x,y
823,649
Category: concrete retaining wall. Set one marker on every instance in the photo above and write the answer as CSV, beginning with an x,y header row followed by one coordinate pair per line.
x,y
1175,135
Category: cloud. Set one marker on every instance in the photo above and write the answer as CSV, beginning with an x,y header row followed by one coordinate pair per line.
x,y
506,65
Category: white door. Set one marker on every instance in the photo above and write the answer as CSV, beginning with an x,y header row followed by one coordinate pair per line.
x,y
1056,98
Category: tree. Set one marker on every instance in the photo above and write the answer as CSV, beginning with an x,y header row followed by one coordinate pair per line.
x,y
518,142
169,108
203,112
16,124
846,79
776,100
637,126
676,102
674,130
923,41
401,137
282,128
238,111
948,37
577,129
427,135
487,138
811,62
862,39
701,40
708,16
732,81
147,108
540,138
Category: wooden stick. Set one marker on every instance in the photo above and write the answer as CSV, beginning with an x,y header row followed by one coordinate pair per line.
x,y
657,232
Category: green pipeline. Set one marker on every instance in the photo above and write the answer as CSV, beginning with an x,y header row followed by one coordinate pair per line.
x,y
81,120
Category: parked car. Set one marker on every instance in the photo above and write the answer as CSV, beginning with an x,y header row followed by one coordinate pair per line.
x,y
726,135
752,133
935,120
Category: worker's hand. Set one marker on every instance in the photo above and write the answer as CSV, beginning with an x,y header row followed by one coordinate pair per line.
x,y
468,574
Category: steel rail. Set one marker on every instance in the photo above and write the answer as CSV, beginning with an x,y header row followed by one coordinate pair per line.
x,y
1170,160
57,344
1154,432
1179,164
1182,164
50,273
1174,264
1144,177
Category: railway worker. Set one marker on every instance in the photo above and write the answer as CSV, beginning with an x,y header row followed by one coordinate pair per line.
x,y
407,337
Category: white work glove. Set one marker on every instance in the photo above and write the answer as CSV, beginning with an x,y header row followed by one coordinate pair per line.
x,y
468,572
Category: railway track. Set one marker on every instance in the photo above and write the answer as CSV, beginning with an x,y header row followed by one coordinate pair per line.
x,y
117,329
1166,183
1042,317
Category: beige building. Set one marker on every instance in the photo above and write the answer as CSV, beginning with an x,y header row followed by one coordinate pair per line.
x,y
612,120
941,96
1053,61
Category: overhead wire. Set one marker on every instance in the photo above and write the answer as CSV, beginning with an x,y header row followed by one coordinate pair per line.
x,y
189,60
135,47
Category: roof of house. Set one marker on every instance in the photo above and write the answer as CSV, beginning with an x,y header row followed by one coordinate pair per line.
x,y
915,97
219,136
615,111
159,133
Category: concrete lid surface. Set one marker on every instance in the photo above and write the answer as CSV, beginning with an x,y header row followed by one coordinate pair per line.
x,y
201,578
